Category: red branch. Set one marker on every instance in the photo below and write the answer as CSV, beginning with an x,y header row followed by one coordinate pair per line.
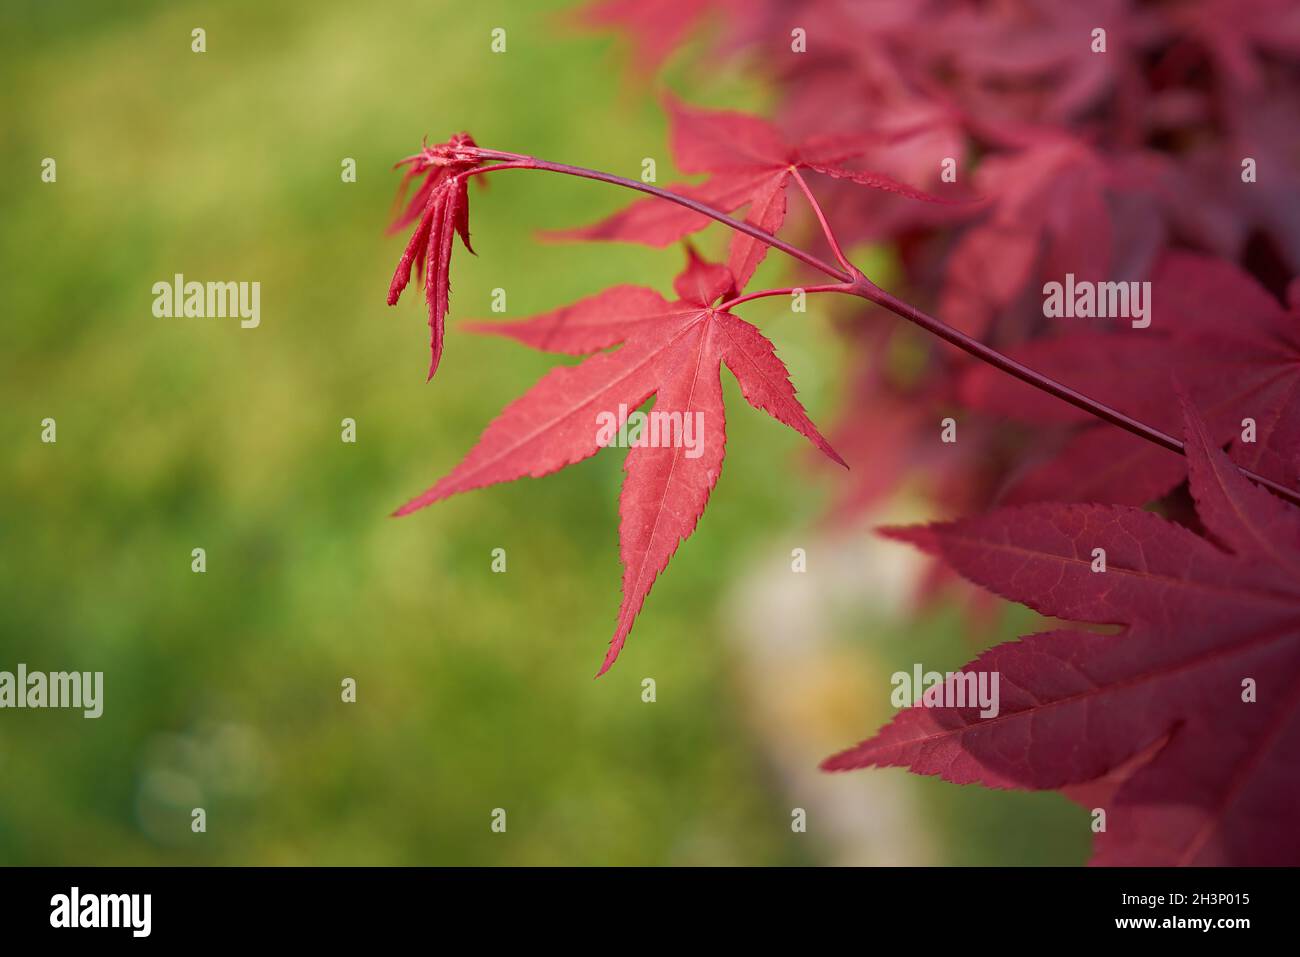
x,y
852,281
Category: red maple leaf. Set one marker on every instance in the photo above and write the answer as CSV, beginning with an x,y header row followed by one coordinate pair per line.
x,y
1225,339
1052,209
1031,60
751,164
441,207
1229,214
1235,35
1207,657
655,30
671,350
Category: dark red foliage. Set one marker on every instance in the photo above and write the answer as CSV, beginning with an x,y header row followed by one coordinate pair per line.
x,y
1215,333
1205,664
1114,142
1172,156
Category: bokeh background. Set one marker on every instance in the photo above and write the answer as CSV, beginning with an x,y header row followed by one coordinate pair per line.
x,y
475,690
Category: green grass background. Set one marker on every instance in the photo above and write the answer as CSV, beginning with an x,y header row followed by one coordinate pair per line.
x,y
475,689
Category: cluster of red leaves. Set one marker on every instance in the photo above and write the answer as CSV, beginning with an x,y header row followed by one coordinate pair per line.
x,y
1119,165
1086,160
671,351
1209,771
1230,343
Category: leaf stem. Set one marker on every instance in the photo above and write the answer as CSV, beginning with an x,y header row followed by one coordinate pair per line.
x,y
518,161
821,218
852,281
836,287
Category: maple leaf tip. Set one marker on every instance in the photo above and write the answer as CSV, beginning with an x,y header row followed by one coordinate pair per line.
x,y
414,505
921,536
572,234
433,365
611,656
838,762
423,500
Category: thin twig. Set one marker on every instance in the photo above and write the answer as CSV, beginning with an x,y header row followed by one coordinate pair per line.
x,y
821,218
855,283
789,290
516,161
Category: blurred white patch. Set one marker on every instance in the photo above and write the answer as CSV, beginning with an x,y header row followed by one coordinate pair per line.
x,y
808,679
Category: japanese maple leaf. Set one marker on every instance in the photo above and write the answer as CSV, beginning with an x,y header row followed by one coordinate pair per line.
x,y
1207,656
1225,339
856,75
1236,34
654,29
440,208
670,350
751,164
1032,59
1048,212
888,420
1230,214
902,137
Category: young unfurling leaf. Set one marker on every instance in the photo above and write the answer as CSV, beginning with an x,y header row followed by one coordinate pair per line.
x,y
440,208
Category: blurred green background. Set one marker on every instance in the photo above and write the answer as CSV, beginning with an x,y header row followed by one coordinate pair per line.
x,y
475,690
